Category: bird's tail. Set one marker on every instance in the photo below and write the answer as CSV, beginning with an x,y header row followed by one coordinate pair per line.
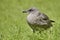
x,y
52,21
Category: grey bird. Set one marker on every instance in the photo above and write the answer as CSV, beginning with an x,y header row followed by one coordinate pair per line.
x,y
37,19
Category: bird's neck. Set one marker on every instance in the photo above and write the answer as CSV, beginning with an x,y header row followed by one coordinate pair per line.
x,y
35,12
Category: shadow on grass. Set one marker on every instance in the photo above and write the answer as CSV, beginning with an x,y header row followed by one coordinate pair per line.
x,y
39,27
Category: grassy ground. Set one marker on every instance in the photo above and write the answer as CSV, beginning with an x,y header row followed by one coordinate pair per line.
x,y
13,25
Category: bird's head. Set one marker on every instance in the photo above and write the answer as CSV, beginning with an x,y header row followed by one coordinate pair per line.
x,y
30,10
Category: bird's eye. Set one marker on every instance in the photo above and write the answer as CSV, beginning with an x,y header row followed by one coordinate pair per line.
x,y
30,10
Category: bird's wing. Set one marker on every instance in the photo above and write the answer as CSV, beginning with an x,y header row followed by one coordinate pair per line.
x,y
42,19
42,16
45,17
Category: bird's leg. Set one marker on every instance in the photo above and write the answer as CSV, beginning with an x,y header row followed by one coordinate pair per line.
x,y
33,31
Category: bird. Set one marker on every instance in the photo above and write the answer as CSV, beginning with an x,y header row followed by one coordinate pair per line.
x,y
37,20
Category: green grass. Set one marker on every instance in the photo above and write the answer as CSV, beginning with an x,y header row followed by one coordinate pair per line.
x,y
13,25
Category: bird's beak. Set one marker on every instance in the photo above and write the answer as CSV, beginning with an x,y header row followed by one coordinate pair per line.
x,y
24,11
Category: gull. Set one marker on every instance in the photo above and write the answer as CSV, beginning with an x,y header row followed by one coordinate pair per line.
x,y
37,19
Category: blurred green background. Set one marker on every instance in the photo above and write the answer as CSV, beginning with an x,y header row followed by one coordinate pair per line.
x,y
13,25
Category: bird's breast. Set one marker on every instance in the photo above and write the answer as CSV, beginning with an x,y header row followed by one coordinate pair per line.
x,y
31,18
